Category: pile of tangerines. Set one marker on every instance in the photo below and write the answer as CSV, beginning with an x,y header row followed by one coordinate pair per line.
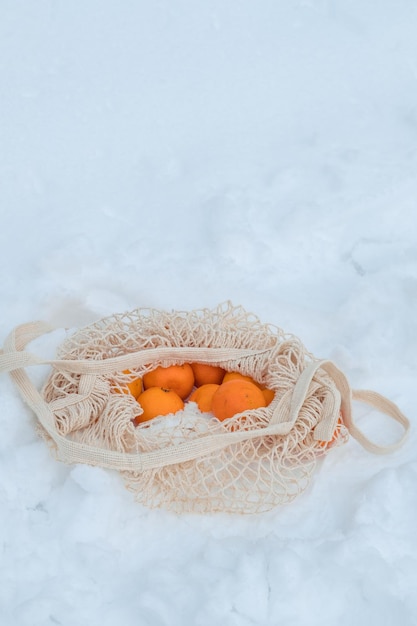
x,y
165,390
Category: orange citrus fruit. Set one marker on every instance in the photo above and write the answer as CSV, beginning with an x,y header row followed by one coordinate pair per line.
x,y
269,395
205,374
135,387
235,396
179,378
238,376
157,401
203,396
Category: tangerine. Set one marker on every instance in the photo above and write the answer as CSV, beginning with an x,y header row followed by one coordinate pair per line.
x,y
179,378
235,396
269,395
203,396
238,376
156,401
135,387
205,374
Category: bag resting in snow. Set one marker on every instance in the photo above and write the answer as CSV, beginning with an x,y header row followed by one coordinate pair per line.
x,y
190,461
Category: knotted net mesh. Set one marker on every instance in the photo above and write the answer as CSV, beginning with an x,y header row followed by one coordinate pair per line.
x,y
243,476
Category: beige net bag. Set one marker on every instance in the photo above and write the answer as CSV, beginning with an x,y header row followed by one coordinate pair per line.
x,y
190,461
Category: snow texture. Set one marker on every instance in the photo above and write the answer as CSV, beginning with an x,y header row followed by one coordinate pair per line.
x,y
177,155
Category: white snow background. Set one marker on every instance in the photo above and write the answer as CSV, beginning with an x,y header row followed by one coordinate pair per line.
x,y
177,155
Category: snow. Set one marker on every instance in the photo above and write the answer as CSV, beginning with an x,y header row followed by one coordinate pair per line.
x,y
177,156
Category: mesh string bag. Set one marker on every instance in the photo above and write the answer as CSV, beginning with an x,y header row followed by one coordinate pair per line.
x,y
190,461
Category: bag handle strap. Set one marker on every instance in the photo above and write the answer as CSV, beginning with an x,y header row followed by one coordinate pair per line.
x,y
14,356
71,451
383,405
374,399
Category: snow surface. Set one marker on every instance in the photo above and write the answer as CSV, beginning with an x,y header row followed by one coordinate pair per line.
x,y
177,155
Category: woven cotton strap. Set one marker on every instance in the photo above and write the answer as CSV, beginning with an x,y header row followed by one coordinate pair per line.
x,y
14,359
372,398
